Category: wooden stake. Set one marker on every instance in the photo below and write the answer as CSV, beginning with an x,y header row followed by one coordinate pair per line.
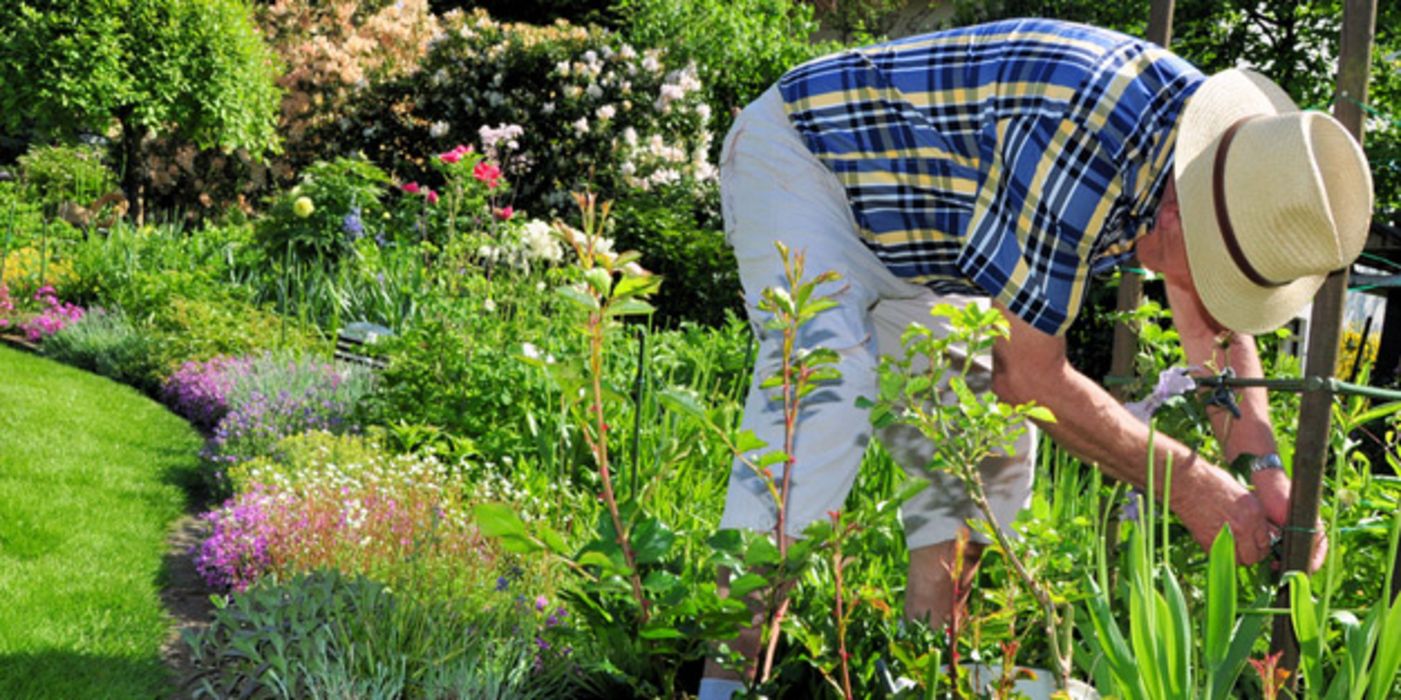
x,y
1315,419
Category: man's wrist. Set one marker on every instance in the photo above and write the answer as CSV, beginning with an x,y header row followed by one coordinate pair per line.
x,y
1249,464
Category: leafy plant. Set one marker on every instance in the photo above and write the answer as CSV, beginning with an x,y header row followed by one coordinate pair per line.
x,y
324,634
967,430
320,219
107,343
193,66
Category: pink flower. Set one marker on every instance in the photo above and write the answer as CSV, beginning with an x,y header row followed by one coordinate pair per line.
x,y
432,197
505,213
411,188
455,154
487,173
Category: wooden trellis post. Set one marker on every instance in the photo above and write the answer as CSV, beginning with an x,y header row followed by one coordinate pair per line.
x,y
1315,419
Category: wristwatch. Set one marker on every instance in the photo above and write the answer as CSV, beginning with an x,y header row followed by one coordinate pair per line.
x,y
1247,463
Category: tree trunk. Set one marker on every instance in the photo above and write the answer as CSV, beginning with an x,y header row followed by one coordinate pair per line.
x,y
133,170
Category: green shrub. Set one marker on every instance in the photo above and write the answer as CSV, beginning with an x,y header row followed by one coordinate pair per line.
x,y
685,244
596,112
327,635
459,374
105,342
321,218
198,329
54,175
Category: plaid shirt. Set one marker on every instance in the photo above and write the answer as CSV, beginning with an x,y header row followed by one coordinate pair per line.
x,y
1010,159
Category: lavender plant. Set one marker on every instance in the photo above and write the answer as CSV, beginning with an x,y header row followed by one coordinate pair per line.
x,y
273,396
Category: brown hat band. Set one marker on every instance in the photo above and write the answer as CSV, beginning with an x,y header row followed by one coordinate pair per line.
x,y
1223,218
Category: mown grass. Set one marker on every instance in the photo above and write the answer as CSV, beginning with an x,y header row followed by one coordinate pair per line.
x,y
89,483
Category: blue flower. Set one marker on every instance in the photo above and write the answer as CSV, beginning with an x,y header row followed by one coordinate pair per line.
x,y
352,225
502,583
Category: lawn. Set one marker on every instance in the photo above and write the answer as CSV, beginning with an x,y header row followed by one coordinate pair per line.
x,y
89,484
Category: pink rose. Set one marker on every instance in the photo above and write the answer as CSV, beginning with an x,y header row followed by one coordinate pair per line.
x,y
411,188
432,197
487,173
505,213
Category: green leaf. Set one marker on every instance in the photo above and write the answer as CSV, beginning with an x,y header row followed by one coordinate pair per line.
x,y
552,540
1040,413
596,558
747,441
661,582
635,285
498,520
1220,597
651,541
1388,658
630,307
746,584
578,297
761,552
659,632
1305,619
684,400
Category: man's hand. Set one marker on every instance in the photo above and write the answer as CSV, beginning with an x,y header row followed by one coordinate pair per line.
x,y
1030,365
1208,498
1272,487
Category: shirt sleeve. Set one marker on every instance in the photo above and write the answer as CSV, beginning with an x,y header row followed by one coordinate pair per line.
x,y
1047,194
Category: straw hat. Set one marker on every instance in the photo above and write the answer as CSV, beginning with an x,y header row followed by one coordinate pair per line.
x,y
1272,199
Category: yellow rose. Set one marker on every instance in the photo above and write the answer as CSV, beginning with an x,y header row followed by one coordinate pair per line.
x,y
303,207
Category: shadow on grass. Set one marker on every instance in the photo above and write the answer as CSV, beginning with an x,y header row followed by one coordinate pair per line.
x,y
63,674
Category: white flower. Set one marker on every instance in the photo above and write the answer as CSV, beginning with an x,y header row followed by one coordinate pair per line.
x,y
627,53
438,130
547,108
590,56
703,111
440,78
538,242
562,67
630,136
530,351
669,93
503,135
582,126
489,305
606,112
594,91
539,286
650,63
627,168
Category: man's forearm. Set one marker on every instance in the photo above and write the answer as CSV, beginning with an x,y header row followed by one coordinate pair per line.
x,y
1097,429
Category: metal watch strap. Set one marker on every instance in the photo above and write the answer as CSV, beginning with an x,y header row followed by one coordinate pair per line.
x,y
1248,463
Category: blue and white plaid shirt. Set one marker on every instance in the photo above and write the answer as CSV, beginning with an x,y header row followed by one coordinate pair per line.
x,y
1010,159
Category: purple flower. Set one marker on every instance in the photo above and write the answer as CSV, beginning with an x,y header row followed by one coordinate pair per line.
x,y
541,603
502,583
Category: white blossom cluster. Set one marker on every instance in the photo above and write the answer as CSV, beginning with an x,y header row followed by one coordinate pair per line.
x,y
523,246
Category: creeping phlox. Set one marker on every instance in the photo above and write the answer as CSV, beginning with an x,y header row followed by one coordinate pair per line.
x,y
54,317
368,516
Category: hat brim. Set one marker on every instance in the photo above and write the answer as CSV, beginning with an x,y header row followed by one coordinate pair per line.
x,y
1229,296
